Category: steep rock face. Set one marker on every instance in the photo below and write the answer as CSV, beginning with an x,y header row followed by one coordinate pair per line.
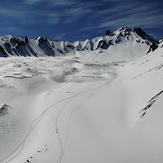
x,y
155,45
108,32
41,46
2,50
17,46
44,44
140,32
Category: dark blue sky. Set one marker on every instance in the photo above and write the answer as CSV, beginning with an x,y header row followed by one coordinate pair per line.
x,y
78,19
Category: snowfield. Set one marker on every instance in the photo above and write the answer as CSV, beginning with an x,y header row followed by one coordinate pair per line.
x,y
92,106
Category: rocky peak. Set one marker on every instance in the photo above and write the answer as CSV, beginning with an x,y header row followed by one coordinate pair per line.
x,y
18,41
108,32
41,40
139,32
124,31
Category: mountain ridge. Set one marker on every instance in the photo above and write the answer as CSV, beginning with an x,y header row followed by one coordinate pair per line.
x,y
42,46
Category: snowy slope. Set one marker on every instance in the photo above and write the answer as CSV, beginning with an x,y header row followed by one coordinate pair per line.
x,y
94,106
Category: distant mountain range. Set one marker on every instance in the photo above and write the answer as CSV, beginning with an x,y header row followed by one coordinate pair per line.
x,y
41,46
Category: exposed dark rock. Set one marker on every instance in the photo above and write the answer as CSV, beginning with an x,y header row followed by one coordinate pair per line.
x,y
117,40
26,40
19,49
13,39
7,48
2,50
4,110
7,45
41,40
15,51
127,31
78,47
102,44
46,46
20,43
121,29
140,32
146,42
108,32
150,103
70,47
16,41
153,47
138,41
91,45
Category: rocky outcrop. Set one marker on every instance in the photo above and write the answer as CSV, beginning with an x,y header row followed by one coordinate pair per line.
x,y
108,32
155,45
41,40
140,32
2,51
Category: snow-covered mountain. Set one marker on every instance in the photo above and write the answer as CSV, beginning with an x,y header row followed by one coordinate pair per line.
x,y
101,102
41,46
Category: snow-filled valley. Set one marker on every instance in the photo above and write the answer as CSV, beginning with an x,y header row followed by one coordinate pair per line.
x,y
88,106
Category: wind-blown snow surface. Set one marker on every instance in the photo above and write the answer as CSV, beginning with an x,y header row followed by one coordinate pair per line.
x,y
88,107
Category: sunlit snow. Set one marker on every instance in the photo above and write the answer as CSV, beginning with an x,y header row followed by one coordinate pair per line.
x,y
86,107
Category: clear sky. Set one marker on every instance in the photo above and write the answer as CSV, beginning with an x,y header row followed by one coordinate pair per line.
x,y
78,19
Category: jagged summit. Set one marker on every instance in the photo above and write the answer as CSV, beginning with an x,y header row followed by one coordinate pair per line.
x,y
125,31
23,46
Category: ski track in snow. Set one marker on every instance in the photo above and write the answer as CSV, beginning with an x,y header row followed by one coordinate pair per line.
x,y
38,119
89,96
